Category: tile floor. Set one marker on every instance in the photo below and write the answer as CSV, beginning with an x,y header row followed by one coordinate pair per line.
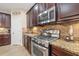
x,y
13,51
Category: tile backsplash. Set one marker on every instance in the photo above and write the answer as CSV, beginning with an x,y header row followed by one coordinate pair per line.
x,y
64,28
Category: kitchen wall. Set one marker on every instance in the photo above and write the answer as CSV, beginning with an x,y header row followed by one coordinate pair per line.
x,y
18,22
65,29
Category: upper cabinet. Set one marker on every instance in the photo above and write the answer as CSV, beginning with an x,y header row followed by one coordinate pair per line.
x,y
42,7
68,11
45,13
35,15
1,19
32,16
8,21
49,5
29,19
5,20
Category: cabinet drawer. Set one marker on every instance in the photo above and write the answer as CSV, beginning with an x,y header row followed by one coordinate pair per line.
x,y
59,51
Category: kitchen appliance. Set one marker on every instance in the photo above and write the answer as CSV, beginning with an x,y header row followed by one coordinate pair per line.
x,y
40,44
47,16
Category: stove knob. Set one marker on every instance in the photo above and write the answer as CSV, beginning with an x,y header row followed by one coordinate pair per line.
x,y
46,43
36,40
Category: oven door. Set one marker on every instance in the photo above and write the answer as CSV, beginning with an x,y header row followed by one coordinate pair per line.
x,y
38,50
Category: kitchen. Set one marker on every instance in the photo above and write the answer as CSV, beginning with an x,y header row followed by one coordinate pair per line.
x,y
58,21
45,29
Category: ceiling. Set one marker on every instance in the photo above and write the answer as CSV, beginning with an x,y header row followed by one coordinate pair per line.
x,y
8,7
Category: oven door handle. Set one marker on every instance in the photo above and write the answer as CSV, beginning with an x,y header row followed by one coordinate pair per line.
x,y
42,48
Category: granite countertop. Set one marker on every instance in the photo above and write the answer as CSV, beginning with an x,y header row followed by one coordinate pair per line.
x,y
30,34
72,47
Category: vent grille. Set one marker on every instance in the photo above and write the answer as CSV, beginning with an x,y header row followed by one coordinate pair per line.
x,y
16,13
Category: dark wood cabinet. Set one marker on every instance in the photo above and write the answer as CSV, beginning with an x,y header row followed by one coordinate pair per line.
x,y
8,21
68,11
28,20
35,15
32,16
49,5
42,7
1,22
5,40
5,20
57,51
27,43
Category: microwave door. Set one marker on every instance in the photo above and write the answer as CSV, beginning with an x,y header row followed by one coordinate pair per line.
x,y
43,18
52,14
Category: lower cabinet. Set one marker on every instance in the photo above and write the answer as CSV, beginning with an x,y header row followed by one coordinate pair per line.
x,y
57,51
5,40
27,43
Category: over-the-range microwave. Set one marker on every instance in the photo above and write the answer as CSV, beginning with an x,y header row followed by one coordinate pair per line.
x,y
47,16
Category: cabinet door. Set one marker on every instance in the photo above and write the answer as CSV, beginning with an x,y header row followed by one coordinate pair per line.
x,y
67,10
0,19
29,44
35,15
28,20
7,21
1,40
31,18
41,7
3,20
25,41
5,40
58,51
49,5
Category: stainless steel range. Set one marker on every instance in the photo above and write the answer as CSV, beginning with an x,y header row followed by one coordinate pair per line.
x,y
40,44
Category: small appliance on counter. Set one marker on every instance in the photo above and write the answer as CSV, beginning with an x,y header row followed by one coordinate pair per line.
x,y
70,36
40,44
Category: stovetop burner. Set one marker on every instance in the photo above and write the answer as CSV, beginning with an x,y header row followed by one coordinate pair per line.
x,y
44,39
48,38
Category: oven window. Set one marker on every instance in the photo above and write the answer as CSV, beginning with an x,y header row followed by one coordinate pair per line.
x,y
37,51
